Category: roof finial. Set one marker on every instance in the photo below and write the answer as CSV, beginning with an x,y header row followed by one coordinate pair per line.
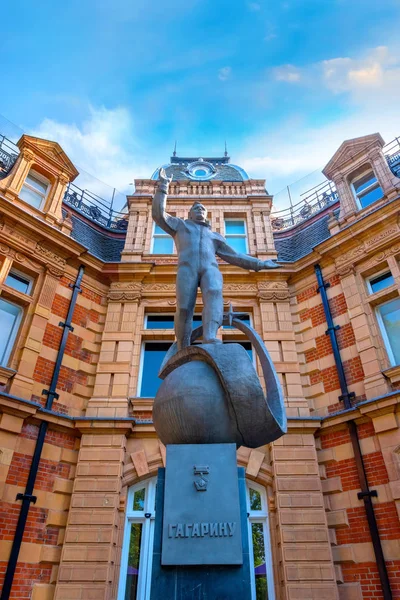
x,y
226,149
174,152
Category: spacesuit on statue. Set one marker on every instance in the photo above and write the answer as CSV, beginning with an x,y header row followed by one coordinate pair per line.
x,y
197,248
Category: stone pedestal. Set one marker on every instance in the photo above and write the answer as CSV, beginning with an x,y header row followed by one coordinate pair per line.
x,y
199,581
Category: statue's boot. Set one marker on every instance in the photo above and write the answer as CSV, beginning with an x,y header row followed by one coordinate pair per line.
x,y
210,330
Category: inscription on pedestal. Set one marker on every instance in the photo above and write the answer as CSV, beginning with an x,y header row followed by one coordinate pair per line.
x,y
201,528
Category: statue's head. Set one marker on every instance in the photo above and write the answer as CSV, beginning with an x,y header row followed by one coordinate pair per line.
x,y
198,213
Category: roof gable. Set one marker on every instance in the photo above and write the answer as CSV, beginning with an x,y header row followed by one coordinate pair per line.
x,y
52,151
349,150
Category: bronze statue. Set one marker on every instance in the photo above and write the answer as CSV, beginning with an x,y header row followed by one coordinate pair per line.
x,y
197,248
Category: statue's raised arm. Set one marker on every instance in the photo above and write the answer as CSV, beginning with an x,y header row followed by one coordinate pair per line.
x,y
245,261
167,222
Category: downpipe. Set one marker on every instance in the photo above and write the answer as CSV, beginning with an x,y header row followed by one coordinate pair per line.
x,y
27,497
346,397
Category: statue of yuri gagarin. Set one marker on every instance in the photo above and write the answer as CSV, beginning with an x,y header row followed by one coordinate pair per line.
x,y
198,246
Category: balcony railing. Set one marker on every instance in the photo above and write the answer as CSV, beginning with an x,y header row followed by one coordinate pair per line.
x,y
8,155
324,194
95,208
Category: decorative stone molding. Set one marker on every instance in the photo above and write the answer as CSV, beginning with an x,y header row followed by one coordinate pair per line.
x,y
17,256
345,270
54,271
269,291
46,253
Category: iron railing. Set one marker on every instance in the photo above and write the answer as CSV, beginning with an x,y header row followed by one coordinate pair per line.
x,y
324,194
95,208
8,155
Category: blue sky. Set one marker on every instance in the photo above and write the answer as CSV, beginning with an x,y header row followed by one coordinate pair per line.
x,y
283,82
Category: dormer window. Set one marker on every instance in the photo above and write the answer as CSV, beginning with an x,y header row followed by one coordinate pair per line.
x,y
34,190
366,188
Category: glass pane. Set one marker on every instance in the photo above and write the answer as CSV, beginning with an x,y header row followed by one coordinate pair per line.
x,y
31,197
160,322
17,282
8,318
260,572
132,575
390,314
158,230
381,282
39,185
200,172
138,499
153,357
245,319
238,244
163,245
234,227
371,196
364,182
255,500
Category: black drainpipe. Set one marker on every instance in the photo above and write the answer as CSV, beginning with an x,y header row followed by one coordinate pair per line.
x,y
366,494
27,497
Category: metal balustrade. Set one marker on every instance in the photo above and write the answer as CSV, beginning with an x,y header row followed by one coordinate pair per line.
x,y
100,211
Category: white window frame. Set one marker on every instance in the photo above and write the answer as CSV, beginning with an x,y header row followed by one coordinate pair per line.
x,y
229,236
366,190
375,276
260,516
147,541
163,235
33,189
23,275
13,334
384,335
141,363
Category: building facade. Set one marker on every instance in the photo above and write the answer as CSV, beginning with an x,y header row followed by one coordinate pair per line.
x,y
87,299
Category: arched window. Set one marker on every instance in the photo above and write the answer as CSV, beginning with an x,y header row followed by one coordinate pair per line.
x,y
137,549
259,543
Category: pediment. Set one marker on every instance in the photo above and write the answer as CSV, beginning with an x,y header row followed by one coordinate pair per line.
x,y
50,150
349,150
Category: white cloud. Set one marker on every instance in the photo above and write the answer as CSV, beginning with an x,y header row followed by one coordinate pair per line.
x,y
287,73
224,73
101,146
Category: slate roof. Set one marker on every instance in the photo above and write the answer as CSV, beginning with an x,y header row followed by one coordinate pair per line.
x,y
300,243
104,246
225,171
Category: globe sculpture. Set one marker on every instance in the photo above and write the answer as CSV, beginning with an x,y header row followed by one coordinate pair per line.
x,y
211,394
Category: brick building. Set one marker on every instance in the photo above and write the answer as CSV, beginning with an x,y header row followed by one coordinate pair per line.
x,y
86,310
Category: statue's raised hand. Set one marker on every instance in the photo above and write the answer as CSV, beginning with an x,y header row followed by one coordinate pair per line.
x,y
163,180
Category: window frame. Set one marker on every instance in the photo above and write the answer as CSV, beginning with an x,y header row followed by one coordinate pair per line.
x,y
22,275
163,235
44,196
261,516
13,334
147,541
383,332
375,276
229,236
371,187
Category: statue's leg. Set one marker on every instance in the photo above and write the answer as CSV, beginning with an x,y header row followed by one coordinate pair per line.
x,y
187,282
211,289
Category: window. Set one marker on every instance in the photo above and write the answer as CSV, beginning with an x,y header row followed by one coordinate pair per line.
x,y
137,550
34,190
166,321
19,281
10,318
366,188
380,282
260,548
152,356
163,243
235,233
389,321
